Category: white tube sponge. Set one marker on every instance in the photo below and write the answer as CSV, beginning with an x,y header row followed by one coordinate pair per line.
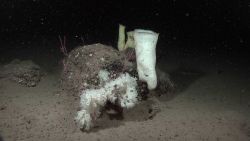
x,y
145,48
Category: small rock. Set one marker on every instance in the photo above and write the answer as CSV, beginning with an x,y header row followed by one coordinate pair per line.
x,y
3,107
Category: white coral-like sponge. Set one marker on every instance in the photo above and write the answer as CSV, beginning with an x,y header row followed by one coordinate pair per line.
x,y
121,90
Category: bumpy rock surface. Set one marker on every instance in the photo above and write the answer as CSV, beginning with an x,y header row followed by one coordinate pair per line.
x,y
81,67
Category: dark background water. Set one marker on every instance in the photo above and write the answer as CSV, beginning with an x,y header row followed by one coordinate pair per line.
x,y
211,27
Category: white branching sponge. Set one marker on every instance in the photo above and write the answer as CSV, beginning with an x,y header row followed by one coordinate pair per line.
x,y
121,90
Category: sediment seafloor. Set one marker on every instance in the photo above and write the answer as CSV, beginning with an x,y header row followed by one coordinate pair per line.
x,y
211,102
